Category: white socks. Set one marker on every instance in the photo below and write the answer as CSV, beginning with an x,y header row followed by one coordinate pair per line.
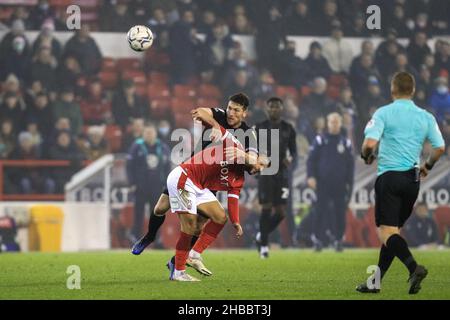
x,y
194,254
264,249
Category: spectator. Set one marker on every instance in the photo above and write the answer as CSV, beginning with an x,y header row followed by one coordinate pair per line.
x,y
241,25
421,231
317,64
368,48
12,85
69,73
270,34
46,39
41,13
127,105
440,100
292,71
361,73
95,107
368,105
139,10
442,55
164,132
137,128
386,63
31,92
7,138
6,45
83,47
65,149
11,109
402,64
327,18
238,62
299,21
347,108
240,84
41,113
266,86
43,68
398,21
358,27
338,51
183,48
430,63
15,60
207,22
424,81
418,49
119,18
315,106
218,45
95,145
30,180
21,13
36,136
421,23
158,22
67,107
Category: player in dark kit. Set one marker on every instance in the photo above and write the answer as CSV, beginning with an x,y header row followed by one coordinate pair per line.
x,y
273,190
230,119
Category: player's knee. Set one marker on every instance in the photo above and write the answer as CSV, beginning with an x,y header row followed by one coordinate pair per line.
x,y
385,232
158,211
222,219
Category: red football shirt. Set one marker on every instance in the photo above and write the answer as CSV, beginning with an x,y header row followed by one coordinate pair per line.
x,y
210,169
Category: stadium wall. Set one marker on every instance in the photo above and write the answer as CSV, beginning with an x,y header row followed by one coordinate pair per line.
x,y
85,225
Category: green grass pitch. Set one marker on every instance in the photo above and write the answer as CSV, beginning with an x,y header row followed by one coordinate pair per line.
x,y
238,274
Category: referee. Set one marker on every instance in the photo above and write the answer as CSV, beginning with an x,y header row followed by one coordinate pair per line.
x,y
399,130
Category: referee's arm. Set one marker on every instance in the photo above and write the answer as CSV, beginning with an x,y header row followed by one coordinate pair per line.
x,y
434,136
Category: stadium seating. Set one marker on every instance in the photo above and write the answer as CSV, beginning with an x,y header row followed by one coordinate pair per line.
x,y
283,91
442,219
370,229
158,91
184,91
160,78
182,105
109,79
354,230
209,91
124,64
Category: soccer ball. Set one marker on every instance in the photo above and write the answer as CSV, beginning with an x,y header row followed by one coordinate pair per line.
x,y
140,38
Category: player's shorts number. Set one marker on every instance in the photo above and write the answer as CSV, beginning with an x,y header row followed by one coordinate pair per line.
x,y
284,193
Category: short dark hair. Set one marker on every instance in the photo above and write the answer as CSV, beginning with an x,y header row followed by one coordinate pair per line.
x,y
240,98
403,84
274,99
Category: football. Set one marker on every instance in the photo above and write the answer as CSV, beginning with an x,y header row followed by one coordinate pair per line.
x,y
140,38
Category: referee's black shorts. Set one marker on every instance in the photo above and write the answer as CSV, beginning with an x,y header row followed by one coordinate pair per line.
x,y
395,195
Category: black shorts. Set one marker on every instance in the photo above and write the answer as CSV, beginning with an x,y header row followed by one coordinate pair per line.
x,y
273,189
395,195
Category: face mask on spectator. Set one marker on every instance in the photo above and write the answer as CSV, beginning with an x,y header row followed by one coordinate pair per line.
x,y
164,131
442,89
241,63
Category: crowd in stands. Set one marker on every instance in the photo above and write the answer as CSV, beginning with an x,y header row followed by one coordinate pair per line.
x,y
68,102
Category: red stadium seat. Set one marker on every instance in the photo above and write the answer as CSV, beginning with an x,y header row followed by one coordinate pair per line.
x,y
137,76
160,108
113,135
182,105
442,218
209,91
370,229
126,216
337,80
156,77
354,230
284,91
184,91
124,64
207,103
333,92
109,79
305,90
108,64
183,120
157,91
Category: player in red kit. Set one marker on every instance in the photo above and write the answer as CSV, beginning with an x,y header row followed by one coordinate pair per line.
x,y
189,187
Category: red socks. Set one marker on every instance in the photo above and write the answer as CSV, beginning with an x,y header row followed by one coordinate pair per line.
x,y
182,250
210,232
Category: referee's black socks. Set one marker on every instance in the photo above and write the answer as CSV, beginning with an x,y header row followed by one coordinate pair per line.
x,y
385,260
398,246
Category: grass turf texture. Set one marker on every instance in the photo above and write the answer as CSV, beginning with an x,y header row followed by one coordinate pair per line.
x,y
287,274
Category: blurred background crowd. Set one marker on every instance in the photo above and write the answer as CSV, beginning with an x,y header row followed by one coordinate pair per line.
x,y
69,102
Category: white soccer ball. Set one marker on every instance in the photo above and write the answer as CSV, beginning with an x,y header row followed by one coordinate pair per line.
x,y
140,38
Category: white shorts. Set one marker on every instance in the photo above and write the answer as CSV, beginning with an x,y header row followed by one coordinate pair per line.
x,y
187,199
